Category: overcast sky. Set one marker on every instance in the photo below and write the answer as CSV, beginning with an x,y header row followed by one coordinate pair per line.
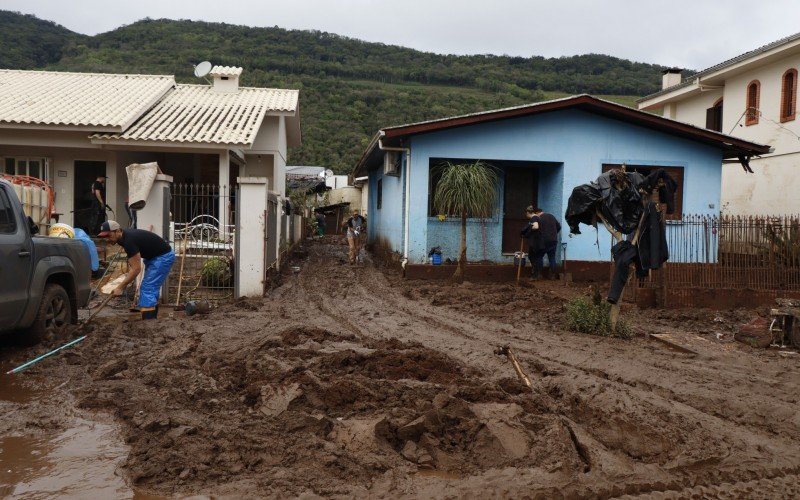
x,y
686,33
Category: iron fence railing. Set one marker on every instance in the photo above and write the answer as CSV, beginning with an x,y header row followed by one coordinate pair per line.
x,y
750,252
203,238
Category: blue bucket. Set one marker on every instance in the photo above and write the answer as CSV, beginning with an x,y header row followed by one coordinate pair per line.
x,y
436,259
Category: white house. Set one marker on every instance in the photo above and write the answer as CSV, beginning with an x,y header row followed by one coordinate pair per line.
x,y
68,128
752,96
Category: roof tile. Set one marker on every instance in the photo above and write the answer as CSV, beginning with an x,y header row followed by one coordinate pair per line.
x,y
198,114
91,100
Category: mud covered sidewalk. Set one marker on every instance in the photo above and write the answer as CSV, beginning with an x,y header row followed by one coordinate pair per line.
x,y
349,381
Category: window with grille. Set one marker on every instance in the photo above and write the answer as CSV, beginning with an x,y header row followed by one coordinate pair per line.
x,y
789,95
753,96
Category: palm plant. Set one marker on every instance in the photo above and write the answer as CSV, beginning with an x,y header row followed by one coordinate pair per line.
x,y
466,189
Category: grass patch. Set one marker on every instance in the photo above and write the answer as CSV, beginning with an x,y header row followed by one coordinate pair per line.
x,y
584,316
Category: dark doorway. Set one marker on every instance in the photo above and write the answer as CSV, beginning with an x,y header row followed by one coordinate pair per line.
x,y
521,190
85,174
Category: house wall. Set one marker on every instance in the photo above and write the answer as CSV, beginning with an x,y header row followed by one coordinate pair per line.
x,y
771,188
62,149
385,225
580,141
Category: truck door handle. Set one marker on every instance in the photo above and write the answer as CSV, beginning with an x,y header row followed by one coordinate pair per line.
x,y
24,253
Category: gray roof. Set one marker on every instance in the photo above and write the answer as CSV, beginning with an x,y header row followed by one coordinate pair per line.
x,y
730,62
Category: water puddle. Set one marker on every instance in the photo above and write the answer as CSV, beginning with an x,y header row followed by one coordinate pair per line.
x,y
79,463
15,389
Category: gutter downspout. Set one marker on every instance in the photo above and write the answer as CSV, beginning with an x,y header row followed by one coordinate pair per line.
x,y
406,225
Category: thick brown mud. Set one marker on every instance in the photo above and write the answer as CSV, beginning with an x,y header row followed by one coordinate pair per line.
x,y
350,381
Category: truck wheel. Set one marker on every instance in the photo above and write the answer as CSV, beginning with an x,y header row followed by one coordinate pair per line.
x,y
54,315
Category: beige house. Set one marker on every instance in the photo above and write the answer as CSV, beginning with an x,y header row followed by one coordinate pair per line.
x,y
68,128
752,96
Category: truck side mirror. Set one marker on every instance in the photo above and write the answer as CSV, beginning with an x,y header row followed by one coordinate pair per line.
x,y
33,226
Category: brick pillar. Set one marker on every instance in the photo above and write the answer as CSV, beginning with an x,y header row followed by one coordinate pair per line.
x,y
251,241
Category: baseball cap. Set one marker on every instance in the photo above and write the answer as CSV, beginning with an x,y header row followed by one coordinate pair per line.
x,y
108,227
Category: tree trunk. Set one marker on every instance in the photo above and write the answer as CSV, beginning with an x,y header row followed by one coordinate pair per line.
x,y
458,276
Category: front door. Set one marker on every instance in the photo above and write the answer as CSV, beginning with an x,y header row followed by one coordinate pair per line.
x,y
521,189
85,174
15,260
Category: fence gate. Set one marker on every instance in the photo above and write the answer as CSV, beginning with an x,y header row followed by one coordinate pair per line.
x,y
204,245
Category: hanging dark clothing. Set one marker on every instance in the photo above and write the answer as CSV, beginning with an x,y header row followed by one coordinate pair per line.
x,y
650,252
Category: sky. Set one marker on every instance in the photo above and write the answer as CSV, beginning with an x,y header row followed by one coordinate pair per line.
x,y
691,34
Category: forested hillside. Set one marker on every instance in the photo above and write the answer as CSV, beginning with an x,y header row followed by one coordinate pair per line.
x,y
349,88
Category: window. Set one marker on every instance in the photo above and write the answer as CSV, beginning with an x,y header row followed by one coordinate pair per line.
x,y
753,97
789,95
34,167
714,116
675,172
379,195
8,223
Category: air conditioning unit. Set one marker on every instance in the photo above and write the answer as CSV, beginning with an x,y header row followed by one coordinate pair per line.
x,y
391,163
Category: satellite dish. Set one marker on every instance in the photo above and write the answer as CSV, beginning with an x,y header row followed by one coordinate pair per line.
x,y
202,69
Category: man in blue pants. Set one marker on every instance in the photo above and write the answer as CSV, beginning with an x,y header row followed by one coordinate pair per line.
x,y
142,246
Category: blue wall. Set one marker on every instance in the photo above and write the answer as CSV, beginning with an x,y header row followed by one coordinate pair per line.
x,y
579,141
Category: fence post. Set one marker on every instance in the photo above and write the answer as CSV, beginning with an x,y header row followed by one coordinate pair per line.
x,y
250,232
154,216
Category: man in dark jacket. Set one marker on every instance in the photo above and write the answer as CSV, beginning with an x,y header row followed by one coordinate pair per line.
x,y
542,234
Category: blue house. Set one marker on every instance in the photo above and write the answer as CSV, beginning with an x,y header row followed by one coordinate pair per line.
x,y
542,151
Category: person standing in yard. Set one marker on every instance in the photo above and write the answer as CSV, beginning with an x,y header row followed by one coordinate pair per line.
x,y
320,217
142,246
356,225
542,234
98,203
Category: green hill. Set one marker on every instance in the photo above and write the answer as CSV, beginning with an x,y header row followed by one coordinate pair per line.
x,y
349,88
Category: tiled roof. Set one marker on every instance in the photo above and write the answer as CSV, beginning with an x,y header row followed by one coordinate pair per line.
x,y
198,114
688,80
225,71
84,100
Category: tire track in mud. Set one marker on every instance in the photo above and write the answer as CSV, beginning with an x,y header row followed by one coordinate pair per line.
x,y
439,325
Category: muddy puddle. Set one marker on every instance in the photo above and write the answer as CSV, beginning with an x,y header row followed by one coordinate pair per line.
x,y
79,461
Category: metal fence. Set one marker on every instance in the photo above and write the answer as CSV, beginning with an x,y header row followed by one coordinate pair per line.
x,y
746,252
202,236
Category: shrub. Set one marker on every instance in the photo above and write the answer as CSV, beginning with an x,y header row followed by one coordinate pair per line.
x,y
585,316
216,272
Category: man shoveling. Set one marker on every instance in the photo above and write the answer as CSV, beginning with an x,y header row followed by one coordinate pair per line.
x,y
158,256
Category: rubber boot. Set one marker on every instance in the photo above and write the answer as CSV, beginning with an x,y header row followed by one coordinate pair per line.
x,y
149,313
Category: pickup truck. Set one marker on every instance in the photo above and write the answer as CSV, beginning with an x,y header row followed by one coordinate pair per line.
x,y
43,280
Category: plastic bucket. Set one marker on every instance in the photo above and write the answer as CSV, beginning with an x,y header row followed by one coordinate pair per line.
x,y
436,259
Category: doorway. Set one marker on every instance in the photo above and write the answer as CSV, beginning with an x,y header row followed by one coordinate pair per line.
x,y
85,174
521,190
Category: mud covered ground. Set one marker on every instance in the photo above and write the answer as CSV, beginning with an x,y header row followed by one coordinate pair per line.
x,y
350,381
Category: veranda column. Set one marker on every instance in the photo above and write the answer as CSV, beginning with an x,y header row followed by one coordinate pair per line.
x,y
224,193
155,214
251,240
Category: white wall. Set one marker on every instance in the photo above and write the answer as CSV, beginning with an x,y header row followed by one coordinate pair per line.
x,y
773,188
62,159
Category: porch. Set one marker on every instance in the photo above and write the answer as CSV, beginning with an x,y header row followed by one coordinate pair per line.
x,y
494,240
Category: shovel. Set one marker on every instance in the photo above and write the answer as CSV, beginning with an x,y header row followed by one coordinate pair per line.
x,y
521,261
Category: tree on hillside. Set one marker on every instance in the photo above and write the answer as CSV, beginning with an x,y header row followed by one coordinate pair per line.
x,y
466,190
